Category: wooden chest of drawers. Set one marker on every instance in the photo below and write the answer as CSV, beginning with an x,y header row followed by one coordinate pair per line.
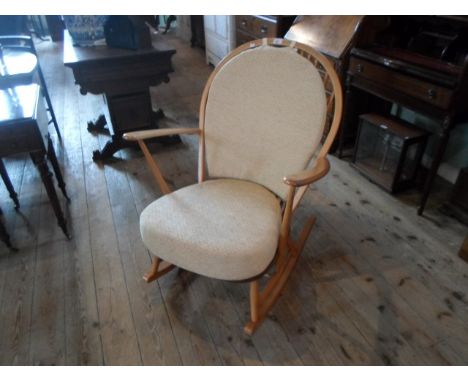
x,y
250,27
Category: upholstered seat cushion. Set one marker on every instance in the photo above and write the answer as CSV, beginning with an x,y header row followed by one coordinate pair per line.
x,y
225,228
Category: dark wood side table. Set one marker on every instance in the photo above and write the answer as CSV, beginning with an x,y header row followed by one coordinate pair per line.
x,y
123,77
23,129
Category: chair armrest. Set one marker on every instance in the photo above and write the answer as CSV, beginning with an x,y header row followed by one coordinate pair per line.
x,y
155,133
309,176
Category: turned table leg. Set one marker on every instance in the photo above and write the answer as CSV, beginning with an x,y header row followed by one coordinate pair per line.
x,y
99,125
55,165
9,186
39,160
4,233
443,139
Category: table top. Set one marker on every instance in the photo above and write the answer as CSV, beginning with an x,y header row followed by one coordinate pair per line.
x,y
18,103
74,55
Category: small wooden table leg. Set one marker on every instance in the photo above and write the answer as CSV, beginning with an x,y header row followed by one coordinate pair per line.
x,y
39,160
55,165
443,139
9,186
4,233
463,253
110,148
99,125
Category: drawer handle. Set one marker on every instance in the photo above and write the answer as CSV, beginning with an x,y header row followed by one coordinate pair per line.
x,y
431,93
244,23
360,68
263,29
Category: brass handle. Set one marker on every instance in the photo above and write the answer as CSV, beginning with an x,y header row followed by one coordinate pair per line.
x,y
431,93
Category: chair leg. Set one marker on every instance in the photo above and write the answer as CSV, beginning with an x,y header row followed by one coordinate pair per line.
x,y
158,268
4,236
254,296
262,302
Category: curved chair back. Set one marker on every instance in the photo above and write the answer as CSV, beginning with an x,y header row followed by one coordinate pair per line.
x,y
264,111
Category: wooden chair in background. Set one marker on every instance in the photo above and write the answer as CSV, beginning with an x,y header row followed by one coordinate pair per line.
x,y
19,65
263,113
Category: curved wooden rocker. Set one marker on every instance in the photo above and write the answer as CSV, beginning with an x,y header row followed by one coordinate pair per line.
x,y
317,115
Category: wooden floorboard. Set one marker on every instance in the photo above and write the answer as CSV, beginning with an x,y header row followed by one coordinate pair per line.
x,y
376,285
18,267
84,343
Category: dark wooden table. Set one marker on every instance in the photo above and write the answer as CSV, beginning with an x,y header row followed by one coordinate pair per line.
x,y
23,129
123,77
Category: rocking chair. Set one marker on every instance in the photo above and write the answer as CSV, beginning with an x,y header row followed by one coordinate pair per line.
x,y
268,116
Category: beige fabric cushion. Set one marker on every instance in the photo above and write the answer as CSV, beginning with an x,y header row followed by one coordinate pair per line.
x,y
264,117
226,229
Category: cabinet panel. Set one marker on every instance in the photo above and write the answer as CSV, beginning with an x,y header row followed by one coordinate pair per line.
x,y
217,47
221,25
219,37
210,23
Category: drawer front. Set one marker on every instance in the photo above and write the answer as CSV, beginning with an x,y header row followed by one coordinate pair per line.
x,y
242,37
244,23
256,27
264,28
420,89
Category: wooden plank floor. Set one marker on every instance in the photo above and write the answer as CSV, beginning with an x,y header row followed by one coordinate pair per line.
x,y
377,285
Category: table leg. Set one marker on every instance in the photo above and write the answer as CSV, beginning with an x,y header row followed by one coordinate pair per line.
x,y
348,116
169,140
99,125
157,115
4,235
169,21
9,186
110,148
463,253
444,135
55,165
39,160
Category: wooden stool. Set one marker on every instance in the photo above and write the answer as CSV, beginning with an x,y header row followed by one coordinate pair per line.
x,y
23,129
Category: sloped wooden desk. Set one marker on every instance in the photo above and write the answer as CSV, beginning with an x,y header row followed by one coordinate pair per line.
x,y
123,77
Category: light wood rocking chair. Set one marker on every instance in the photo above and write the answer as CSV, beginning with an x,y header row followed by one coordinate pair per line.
x,y
270,109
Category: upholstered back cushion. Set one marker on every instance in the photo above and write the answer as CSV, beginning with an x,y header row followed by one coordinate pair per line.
x,y
264,117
